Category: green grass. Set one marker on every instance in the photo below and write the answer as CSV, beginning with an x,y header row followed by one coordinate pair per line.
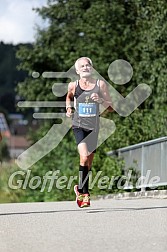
x,y
8,195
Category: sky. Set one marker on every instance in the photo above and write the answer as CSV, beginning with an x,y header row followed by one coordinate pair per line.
x,y
18,20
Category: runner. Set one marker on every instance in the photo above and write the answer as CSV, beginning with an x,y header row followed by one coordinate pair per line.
x,y
87,93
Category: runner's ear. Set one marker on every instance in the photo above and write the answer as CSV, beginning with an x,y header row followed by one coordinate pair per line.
x,y
77,71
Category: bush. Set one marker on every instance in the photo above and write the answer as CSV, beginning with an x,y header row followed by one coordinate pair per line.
x,y
4,151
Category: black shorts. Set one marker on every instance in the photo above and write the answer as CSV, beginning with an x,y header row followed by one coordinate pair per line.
x,y
82,136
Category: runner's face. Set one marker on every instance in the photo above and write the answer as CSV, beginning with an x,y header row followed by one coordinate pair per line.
x,y
84,68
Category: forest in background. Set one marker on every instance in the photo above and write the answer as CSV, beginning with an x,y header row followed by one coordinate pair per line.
x,y
135,31
9,76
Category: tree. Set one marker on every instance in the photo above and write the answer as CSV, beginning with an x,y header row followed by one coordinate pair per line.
x,y
9,76
147,50
4,151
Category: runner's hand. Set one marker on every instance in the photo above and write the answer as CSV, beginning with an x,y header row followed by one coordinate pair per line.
x,y
69,112
95,97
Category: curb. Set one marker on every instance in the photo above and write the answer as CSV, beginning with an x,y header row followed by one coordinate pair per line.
x,y
156,194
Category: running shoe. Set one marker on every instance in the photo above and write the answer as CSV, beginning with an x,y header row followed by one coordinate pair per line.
x,y
85,201
79,196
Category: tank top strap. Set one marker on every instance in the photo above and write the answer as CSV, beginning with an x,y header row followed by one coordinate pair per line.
x,y
77,82
98,83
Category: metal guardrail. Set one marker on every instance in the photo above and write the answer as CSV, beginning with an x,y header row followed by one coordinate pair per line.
x,y
149,158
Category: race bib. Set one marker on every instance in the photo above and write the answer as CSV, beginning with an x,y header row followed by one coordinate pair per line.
x,y
87,109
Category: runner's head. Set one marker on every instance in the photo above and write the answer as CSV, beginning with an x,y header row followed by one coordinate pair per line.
x,y
83,67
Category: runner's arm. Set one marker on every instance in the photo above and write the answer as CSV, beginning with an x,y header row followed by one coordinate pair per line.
x,y
105,99
69,98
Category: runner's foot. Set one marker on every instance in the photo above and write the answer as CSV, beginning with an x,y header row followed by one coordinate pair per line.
x,y
79,196
85,201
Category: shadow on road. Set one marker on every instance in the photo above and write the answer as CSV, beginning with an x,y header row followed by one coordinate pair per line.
x,y
124,209
96,210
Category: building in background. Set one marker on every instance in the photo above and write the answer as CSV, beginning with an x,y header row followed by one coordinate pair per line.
x,y
15,135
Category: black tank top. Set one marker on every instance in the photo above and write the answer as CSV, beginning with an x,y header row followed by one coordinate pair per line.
x,y
86,113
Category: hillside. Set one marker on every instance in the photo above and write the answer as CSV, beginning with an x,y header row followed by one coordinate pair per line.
x,y
9,76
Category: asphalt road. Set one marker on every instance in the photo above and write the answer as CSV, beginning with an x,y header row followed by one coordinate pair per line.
x,y
108,225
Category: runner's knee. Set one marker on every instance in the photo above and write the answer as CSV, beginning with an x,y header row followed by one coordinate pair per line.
x,y
84,160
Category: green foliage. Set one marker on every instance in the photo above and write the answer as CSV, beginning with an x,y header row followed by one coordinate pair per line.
x,y
8,195
142,125
4,152
62,159
110,169
9,76
152,46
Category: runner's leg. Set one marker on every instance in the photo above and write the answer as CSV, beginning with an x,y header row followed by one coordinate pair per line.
x,y
83,169
90,160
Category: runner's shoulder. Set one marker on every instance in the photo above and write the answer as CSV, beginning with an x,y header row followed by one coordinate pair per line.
x,y
71,86
102,83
